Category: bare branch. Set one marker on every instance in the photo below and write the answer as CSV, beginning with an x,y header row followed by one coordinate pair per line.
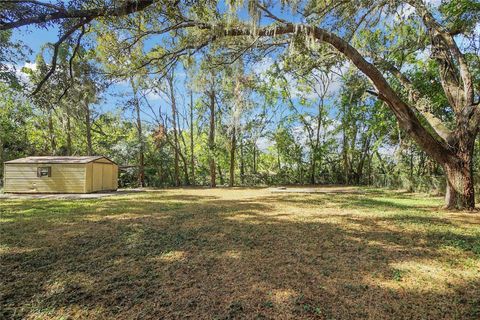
x,y
270,14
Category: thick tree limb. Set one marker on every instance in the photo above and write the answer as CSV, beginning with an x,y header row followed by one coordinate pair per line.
x,y
128,7
39,3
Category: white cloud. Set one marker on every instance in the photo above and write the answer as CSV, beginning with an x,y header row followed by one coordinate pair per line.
x,y
153,96
263,143
434,3
17,69
259,68
407,10
29,65
123,83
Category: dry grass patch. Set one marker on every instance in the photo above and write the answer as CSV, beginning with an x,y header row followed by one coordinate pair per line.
x,y
239,253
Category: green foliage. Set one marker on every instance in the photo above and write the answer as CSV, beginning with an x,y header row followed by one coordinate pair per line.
x,y
10,53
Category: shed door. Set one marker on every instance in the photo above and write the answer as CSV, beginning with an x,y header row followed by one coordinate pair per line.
x,y
97,176
107,177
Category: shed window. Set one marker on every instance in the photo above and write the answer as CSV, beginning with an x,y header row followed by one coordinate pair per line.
x,y
44,172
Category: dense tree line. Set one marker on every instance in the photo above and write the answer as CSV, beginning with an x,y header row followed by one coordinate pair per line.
x,y
342,96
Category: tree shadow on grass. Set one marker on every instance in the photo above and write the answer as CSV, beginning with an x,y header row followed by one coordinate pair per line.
x,y
356,201
379,204
206,257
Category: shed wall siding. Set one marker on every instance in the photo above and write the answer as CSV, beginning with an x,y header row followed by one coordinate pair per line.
x,y
68,178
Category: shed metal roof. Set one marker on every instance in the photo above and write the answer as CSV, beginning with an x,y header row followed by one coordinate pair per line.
x,y
67,159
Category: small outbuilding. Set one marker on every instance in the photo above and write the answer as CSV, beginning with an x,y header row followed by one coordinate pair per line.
x,y
60,175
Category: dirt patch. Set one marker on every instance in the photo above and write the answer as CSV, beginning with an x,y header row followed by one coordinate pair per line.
x,y
318,189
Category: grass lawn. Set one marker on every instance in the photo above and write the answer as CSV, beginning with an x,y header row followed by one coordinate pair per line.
x,y
239,254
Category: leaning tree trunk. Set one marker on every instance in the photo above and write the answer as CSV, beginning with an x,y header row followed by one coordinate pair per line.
x,y
460,192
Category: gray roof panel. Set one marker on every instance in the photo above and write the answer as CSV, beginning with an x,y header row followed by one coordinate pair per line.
x,y
54,159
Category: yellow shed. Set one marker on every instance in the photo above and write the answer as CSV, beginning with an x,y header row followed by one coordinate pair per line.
x,y
60,175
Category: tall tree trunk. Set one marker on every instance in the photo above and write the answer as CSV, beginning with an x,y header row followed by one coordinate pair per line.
x,y
232,157
69,134
88,126
346,166
141,151
279,162
51,133
175,134
242,163
192,155
220,173
300,170
460,192
363,156
2,159
317,141
369,168
211,137
254,147
411,187
313,169
180,153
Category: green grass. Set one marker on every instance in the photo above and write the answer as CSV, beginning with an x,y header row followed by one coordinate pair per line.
x,y
241,253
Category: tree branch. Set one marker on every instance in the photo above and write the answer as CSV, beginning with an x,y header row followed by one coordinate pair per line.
x,y
443,42
56,47
70,64
128,7
39,3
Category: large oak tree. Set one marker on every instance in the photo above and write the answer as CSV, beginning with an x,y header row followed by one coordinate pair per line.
x,y
353,28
